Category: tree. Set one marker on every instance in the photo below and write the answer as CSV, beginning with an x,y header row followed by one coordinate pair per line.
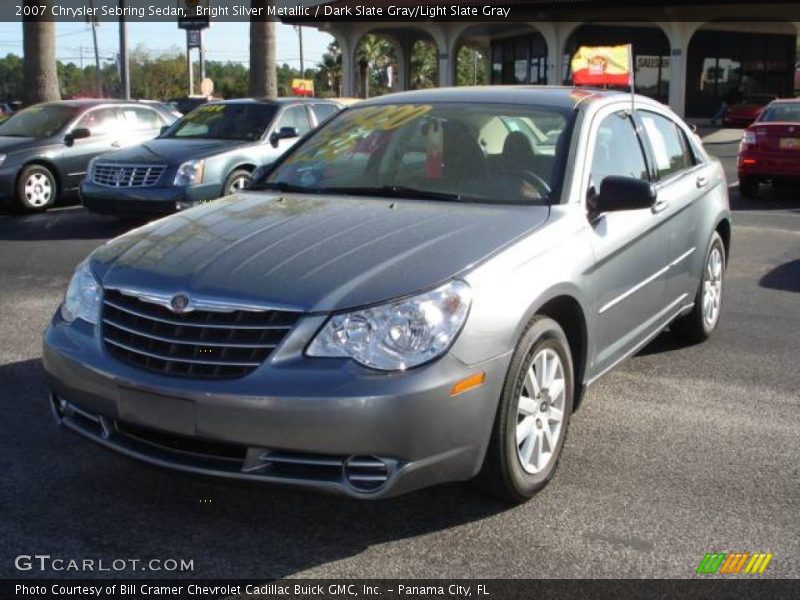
x,y
424,65
372,53
39,50
263,76
329,73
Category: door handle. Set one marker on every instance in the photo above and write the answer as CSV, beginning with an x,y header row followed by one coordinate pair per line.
x,y
659,206
702,181
116,145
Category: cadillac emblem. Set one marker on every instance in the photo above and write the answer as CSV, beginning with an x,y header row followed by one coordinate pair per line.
x,y
179,303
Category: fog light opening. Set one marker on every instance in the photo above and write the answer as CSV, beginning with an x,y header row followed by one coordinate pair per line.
x,y
365,473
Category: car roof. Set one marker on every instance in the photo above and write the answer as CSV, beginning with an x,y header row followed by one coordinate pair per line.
x,y
91,102
546,96
273,101
786,101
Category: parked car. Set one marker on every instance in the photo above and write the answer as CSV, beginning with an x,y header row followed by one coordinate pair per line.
x,y
770,148
45,149
420,291
208,153
745,112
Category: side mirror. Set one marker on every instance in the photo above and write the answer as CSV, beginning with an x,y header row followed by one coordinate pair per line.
x,y
76,134
623,193
284,133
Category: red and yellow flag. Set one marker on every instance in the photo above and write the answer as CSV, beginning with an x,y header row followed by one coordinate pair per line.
x,y
303,87
602,65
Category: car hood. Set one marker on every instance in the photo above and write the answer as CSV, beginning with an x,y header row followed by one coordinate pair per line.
x,y
171,151
310,253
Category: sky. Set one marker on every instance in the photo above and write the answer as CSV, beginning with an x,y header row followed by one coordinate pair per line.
x,y
224,41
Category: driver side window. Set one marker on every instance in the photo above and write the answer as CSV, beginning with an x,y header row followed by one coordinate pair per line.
x,y
617,151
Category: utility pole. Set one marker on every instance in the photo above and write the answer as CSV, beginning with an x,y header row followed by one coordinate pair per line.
x,y
302,64
99,82
124,65
202,51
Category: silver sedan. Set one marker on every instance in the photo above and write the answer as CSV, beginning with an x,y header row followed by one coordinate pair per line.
x,y
421,291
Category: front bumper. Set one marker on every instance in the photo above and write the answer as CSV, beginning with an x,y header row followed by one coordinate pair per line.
x,y
155,200
323,424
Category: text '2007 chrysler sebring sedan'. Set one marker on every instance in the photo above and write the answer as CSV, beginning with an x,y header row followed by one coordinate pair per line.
x,y
419,292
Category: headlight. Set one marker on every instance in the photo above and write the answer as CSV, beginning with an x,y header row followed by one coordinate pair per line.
x,y
2,159
82,300
190,173
398,335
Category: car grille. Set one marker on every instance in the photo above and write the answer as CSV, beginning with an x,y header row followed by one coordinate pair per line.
x,y
112,175
199,344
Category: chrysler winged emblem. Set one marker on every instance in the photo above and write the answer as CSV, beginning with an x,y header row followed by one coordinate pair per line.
x,y
179,303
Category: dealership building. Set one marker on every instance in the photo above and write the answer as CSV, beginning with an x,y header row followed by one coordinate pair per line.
x,y
688,55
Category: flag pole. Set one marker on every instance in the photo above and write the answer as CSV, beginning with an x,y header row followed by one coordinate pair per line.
x,y
632,78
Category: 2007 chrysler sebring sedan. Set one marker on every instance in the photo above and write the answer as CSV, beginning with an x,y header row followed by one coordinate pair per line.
x,y
421,291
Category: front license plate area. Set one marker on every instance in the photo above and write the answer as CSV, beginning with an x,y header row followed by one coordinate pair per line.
x,y
159,412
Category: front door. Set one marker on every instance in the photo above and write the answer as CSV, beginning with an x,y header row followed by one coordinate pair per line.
x,y
629,246
104,128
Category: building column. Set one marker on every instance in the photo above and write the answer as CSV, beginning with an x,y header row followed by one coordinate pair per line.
x,y
679,34
557,40
402,45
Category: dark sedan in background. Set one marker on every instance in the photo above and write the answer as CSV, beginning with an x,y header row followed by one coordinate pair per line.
x,y
210,152
45,149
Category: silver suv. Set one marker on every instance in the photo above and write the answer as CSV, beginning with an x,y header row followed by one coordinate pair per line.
x,y
421,291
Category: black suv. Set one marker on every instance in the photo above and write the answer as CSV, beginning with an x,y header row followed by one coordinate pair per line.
x,y
210,152
45,149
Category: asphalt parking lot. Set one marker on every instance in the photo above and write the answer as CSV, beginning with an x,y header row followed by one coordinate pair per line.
x,y
679,452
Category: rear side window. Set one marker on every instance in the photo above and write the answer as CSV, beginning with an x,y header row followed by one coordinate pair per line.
x,y
670,151
324,111
617,150
297,117
141,119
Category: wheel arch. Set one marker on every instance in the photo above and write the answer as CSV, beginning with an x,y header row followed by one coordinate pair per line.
x,y
723,228
564,306
47,164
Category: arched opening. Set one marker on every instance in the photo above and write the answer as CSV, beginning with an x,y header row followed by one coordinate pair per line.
x,y
501,54
651,53
395,59
728,60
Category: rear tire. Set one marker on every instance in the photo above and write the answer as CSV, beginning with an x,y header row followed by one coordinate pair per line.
x,y
236,182
701,323
533,415
37,189
748,187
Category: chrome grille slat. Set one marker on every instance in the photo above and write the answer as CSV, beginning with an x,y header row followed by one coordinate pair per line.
x,y
132,311
200,344
173,340
126,175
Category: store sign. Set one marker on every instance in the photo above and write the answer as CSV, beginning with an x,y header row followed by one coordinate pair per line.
x,y
195,14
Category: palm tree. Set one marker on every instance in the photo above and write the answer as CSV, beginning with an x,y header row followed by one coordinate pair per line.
x,y
331,66
263,74
372,52
424,65
39,50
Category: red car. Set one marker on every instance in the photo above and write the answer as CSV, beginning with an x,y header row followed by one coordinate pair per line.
x,y
770,148
745,112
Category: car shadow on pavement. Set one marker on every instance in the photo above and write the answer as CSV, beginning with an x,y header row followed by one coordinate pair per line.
x,y
69,223
785,277
76,499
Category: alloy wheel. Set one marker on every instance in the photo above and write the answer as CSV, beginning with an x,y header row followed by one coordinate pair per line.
x,y
38,190
540,411
712,288
239,184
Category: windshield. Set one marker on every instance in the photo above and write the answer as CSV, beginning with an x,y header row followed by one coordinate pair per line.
x,y
784,113
242,122
446,151
39,121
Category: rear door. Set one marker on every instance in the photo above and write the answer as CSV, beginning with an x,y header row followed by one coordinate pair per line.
x,y
139,124
629,246
682,180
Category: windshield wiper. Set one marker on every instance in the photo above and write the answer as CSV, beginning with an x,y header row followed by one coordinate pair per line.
x,y
281,186
393,191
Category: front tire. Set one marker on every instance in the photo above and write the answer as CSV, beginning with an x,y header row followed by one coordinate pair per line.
x,y
701,323
237,181
36,189
533,415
